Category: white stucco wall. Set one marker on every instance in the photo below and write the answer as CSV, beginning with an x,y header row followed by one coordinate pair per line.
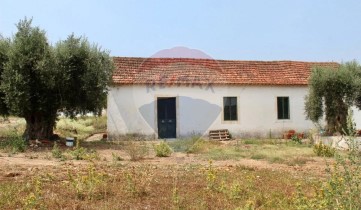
x,y
132,109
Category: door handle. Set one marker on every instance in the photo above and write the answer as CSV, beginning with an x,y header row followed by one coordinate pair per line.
x,y
169,120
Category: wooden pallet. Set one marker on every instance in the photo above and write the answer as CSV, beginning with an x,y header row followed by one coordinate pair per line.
x,y
221,135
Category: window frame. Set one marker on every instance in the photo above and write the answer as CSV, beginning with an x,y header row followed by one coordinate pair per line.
x,y
233,117
283,115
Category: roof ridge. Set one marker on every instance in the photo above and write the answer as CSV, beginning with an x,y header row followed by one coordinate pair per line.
x,y
225,60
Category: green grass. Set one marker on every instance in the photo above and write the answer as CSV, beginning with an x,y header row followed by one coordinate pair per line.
x,y
272,150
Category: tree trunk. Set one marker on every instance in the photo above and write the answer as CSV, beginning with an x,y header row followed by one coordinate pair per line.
x,y
39,126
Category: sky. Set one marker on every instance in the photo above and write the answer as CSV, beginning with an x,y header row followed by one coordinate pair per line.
x,y
303,30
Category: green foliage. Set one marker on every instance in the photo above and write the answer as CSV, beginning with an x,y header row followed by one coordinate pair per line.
x,y
4,57
295,138
323,150
81,153
56,152
211,176
333,91
13,142
342,189
39,80
85,68
162,150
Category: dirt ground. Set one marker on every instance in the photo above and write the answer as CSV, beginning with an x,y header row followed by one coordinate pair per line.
x,y
22,165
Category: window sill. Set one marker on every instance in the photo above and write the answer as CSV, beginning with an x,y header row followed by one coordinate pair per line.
x,y
283,121
230,122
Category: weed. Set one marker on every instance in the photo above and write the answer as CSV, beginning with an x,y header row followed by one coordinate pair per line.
x,y
175,194
295,138
235,191
138,181
343,188
323,150
81,153
137,150
162,149
89,185
211,176
35,199
56,152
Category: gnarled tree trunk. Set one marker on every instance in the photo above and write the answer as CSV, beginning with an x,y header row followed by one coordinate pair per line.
x,y
39,126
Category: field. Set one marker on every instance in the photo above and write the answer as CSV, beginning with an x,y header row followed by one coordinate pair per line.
x,y
130,174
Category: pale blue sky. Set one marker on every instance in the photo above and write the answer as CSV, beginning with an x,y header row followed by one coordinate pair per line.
x,y
309,30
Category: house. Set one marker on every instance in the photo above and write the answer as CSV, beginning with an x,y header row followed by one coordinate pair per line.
x,y
175,97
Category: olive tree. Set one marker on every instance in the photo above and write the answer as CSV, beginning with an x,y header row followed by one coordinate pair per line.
x,y
4,49
38,80
332,92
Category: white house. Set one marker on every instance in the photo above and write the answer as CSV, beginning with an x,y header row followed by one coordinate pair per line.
x,y
175,97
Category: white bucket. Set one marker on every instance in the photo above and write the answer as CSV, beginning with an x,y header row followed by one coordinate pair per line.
x,y
69,141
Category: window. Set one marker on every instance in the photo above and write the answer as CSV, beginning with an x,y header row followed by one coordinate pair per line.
x,y
230,108
283,108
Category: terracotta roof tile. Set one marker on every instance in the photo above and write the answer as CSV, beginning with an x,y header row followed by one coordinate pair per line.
x,y
190,71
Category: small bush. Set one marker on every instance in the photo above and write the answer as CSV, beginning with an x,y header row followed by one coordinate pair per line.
x,y
198,146
296,138
56,152
163,150
323,150
137,150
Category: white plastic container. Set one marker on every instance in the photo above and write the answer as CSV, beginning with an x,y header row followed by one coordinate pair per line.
x,y
69,141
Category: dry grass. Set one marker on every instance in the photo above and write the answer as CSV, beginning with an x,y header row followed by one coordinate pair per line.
x,y
151,187
111,180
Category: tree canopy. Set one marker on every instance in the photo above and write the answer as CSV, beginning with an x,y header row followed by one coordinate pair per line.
x,y
332,92
39,80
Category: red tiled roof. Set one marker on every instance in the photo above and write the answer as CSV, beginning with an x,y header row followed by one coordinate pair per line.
x,y
186,71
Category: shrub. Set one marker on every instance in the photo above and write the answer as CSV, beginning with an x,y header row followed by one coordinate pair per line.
x,y
56,152
137,150
323,150
297,139
163,150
